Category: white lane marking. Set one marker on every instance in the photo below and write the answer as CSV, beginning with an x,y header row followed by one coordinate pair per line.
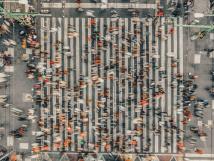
x,y
199,155
99,5
212,104
163,44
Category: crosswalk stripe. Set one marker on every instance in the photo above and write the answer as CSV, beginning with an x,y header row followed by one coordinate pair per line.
x,y
102,54
71,80
175,91
149,34
138,86
132,92
108,81
157,100
163,103
120,76
169,71
48,89
126,82
64,57
143,30
99,5
180,42
194,155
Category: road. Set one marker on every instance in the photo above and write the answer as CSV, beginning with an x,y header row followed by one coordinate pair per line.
x,y
80,63
80,70
202,70
18,86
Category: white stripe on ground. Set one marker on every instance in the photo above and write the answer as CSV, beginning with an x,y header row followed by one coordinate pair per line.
x,y
174,145
199,155
163,102
99,5
157,105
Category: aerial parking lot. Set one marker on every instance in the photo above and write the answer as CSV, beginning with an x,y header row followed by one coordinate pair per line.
x,y
106,80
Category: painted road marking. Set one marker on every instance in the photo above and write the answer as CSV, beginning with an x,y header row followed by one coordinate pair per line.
x,y
99,5
24,146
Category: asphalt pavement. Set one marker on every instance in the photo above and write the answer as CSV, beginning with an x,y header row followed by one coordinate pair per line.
x,y
202,70
19,85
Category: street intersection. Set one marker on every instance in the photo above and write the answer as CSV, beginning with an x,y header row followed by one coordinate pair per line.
x,y
104,78
113,82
